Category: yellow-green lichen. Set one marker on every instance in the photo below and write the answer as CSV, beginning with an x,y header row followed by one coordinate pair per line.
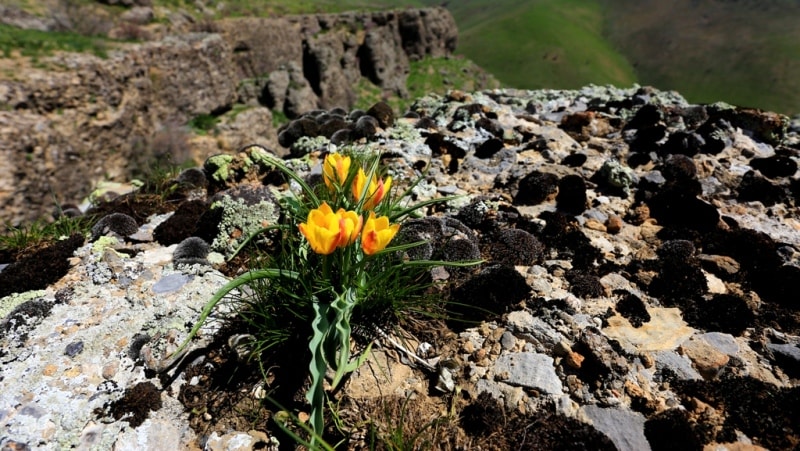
x,y
221,165
102,243
239,221
10,302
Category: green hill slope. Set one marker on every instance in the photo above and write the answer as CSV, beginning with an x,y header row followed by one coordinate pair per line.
x,y
541,44
744,52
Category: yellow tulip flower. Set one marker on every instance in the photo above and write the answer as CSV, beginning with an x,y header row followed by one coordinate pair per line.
x,y
324,229
351,223
377,234
375,193
335,169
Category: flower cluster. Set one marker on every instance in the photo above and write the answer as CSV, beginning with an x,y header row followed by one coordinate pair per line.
x,y
327,230
351,274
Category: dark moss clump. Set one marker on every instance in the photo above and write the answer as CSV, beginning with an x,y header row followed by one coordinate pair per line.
x,y
192,178
459,249
488,293
26,314
775,166
366,127
190,251
535,187
118,223
331,126
632,308
756,252
297,129
136,404
574,160
726,313
40,269
383,113
754,187
135,348
496,428
182,224
680,277
670,430
678,206
516,247
490,125
768,414
584,284
571,197
782,288
680,168
477,215
426,123
563,234
488,148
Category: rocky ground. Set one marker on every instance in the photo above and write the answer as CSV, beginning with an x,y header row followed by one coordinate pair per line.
x,y
638,290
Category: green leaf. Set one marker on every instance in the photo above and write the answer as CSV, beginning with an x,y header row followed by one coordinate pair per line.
x,y
318,366
230,286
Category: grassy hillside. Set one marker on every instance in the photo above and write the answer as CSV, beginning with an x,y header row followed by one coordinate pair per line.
x,y
542,44
744,52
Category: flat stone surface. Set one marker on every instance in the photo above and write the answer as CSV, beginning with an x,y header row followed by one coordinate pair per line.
x,y
624,427
725,343
666,330
678,364
529,370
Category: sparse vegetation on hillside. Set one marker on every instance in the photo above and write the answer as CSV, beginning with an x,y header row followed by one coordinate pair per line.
x,y
239,8
430,76
744,52
34,43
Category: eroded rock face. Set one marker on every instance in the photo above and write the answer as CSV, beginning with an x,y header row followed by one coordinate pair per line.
x,y
84,118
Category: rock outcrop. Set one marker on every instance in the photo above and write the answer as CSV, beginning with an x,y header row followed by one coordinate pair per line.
x,y
78,118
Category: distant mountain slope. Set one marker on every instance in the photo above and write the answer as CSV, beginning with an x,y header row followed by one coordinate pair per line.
x,y
745,52
541,44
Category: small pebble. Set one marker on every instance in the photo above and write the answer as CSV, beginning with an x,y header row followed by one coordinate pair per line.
x,y
614,224
74,349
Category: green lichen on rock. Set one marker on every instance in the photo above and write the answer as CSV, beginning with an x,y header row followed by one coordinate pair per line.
x,y
403,131
617,175
103,243
305,145
219,167
260,156
239,221
10,302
